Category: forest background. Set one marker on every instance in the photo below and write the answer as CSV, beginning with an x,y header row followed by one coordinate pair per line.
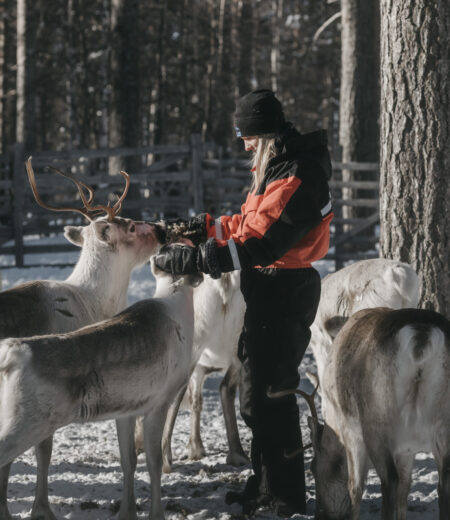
x,y
101,73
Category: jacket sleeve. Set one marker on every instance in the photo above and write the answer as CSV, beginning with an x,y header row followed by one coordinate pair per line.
x,y
222,228
291,207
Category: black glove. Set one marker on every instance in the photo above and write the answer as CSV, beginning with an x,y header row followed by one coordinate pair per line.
x,y
194,229
183,259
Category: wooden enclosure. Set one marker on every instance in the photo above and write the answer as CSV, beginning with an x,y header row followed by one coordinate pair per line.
x,y
166,181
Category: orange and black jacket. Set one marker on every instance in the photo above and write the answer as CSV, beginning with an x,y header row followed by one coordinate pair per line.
x,y
285,222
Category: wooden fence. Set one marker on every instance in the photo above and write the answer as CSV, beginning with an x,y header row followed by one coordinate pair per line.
x,y
166,181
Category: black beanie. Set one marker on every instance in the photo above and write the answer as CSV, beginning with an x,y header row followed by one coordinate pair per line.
x,y
257,113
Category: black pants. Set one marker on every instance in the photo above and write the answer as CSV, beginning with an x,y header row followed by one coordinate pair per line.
x,y
281,306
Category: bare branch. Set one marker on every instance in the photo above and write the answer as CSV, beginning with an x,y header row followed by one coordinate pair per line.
x,y
326,24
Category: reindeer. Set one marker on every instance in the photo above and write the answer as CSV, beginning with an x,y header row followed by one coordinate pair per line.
x,y
219,314
384,398
133,363
94,291
371,283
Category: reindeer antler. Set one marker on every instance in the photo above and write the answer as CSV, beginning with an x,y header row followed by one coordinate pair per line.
x,y
79,183
309,398
110,211
88,210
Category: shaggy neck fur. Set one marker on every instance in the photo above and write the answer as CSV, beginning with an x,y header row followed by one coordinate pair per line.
x,y
105,275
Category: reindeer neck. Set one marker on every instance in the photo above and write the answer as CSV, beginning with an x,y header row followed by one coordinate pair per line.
x,y
179,296
104,277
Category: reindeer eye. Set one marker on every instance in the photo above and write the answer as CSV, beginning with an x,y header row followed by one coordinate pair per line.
x,y
105,232
132,228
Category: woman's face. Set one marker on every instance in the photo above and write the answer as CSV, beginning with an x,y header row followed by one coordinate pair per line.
x,y
250,143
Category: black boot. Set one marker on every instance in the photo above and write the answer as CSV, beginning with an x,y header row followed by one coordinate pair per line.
x,y
250,492
287,509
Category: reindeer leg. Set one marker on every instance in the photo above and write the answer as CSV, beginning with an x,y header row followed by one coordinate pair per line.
x,y
4,475
153,431
168,430
387,471
358,466
196,450
128,460
443,463
139,435
41,508
236,455
404,464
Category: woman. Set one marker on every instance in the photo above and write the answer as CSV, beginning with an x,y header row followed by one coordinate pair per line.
x,y
282,228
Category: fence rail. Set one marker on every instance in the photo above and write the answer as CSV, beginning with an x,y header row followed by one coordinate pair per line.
x,y
166,180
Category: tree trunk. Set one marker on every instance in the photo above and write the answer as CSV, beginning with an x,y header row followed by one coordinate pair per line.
x,y
245,30
69,79
211,74
104,77
159,94
124,116
415,132
277,25
225,83
359,99
2,68
20,78
30,74
8,101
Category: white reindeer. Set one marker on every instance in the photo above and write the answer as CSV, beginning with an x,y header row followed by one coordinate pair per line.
x,y
219,315
95,290
385,398
371,283
133,363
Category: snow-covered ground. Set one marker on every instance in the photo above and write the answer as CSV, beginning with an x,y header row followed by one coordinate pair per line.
x,y
85,475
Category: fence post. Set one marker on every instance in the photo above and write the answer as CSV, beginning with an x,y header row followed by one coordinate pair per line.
x,y
19,191
197,175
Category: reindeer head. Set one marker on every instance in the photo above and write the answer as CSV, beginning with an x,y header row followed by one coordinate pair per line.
x,y
168,283
136,241
329,467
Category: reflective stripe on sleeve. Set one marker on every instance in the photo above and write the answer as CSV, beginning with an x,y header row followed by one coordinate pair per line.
x,y
326,209
219,234
234,254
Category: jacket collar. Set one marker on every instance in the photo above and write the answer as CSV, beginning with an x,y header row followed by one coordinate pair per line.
x,y
294,144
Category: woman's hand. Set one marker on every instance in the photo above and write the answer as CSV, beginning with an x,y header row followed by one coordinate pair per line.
x,y
176,229
177,259
186,259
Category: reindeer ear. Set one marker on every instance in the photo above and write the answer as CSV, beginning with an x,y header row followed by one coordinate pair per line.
x,y
74,234
156,271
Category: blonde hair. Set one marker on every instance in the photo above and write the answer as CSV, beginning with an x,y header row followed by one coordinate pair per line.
x,y
265,150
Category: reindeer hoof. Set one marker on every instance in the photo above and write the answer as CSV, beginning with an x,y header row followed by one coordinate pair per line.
x,y
196,452
237,459
39,513
167,467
